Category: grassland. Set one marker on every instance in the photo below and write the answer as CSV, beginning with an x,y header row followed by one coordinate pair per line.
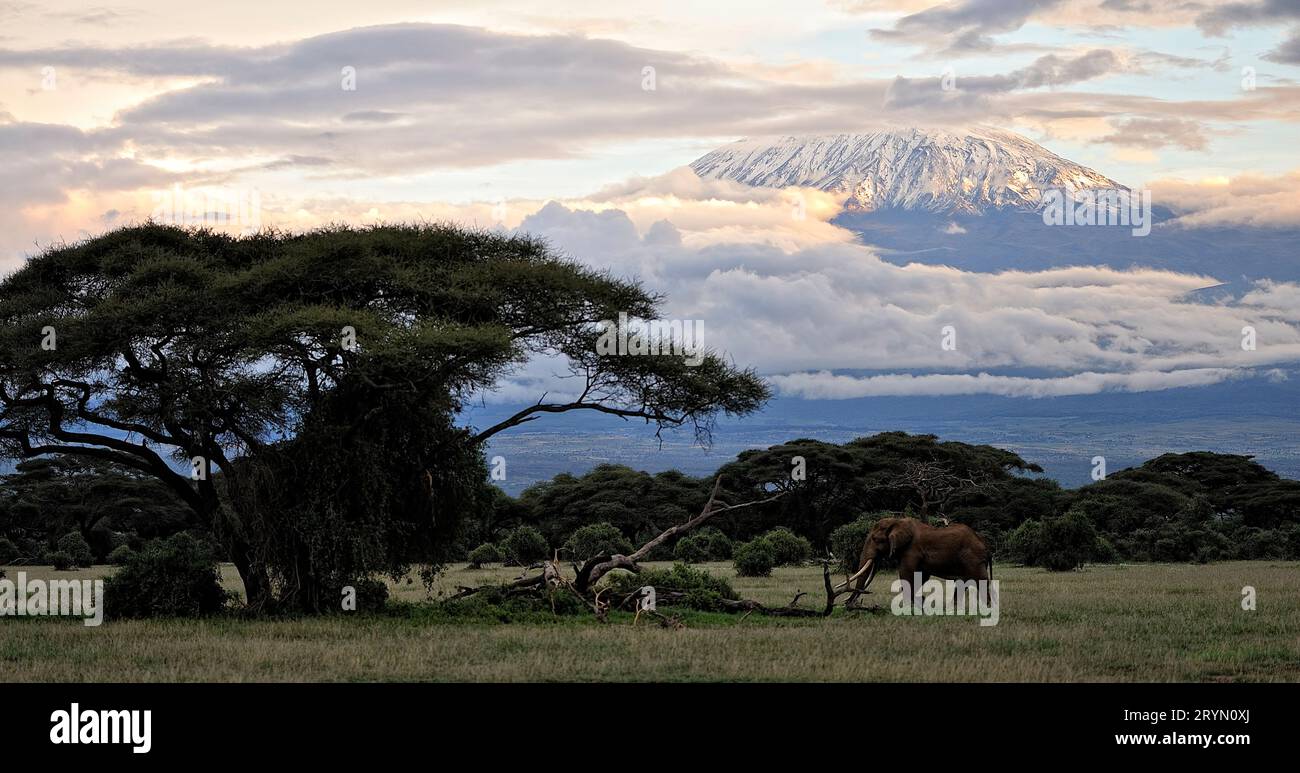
x,y
1106,623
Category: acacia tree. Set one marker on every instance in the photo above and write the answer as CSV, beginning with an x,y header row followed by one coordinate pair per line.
x,y
300,392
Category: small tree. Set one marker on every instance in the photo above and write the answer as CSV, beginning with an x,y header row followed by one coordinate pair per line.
x,y
1058,544
77,549
523,545
787,547
1023,544
719,544
596,539
1068,542
692,549
120,555
755,558
486,553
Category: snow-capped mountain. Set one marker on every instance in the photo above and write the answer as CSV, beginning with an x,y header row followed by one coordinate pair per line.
x,y
927,169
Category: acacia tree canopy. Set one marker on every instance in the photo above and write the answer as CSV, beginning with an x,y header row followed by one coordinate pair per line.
x,y
259,358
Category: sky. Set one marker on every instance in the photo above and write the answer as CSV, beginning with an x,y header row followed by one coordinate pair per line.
x,y
574,120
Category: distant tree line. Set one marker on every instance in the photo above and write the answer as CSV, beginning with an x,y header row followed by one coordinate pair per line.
x,y
1197,506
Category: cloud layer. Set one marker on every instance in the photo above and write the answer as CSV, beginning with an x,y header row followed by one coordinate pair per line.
x,y
831,319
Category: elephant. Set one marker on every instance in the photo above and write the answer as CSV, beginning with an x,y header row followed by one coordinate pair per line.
x,y
953,552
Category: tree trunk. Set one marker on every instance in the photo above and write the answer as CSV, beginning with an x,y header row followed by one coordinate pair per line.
x,y
257,583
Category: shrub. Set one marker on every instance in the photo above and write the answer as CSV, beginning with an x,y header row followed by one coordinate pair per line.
x,y
524,545
596,539
486,553
754,558
788,548
8,550
60,560
847,541
120,555
719,544
1106,552
702,590
175,577
77,548
504,604
1067,542
692,549
1023,544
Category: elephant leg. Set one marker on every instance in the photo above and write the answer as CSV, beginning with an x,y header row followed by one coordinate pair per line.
x,y
907,573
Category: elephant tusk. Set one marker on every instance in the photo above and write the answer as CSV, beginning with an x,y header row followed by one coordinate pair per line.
x,y
861,571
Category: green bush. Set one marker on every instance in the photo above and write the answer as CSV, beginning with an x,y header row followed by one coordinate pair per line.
x,y
754,558
1023,544
702,589
788,548
692,549
120,555
847,541
524,545
596,539
1067,542
486,553
77,548
175,577
8,550
719,544
60,560
505,604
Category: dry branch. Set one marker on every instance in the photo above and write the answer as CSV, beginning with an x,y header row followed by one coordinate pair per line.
x,y
596,567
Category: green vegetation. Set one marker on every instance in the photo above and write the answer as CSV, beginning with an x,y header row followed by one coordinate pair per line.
x,y
597,539
788,548
523,545
175,577
847,541
487,553
76,548
755,558
1148,622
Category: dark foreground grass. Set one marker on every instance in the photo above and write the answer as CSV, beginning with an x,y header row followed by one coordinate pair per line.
x,y
1106,623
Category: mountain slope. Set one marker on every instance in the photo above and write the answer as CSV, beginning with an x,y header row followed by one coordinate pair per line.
x,y
934,170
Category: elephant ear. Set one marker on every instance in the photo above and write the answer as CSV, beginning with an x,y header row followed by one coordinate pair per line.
x,y
900,534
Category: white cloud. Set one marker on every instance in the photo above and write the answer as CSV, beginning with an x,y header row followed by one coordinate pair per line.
x,y
823,385
798,309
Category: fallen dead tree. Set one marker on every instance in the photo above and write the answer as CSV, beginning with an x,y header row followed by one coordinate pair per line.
x,y
552,579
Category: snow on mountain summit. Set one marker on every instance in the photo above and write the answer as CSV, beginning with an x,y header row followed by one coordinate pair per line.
x,y
928,169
